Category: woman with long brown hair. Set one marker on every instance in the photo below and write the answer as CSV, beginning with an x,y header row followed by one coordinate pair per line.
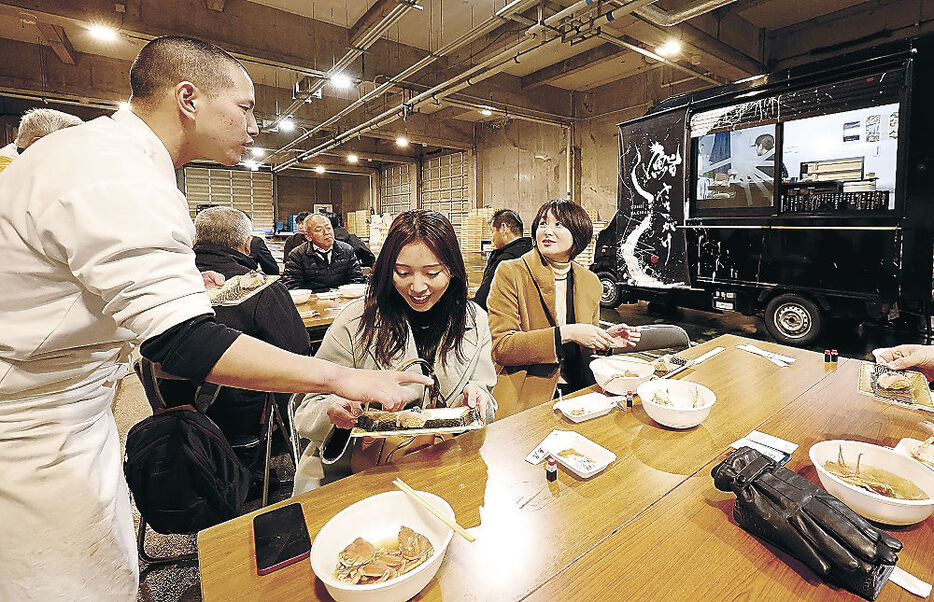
x,y
545,313
415,308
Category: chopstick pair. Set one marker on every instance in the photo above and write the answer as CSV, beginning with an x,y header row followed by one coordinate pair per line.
x,y
417,497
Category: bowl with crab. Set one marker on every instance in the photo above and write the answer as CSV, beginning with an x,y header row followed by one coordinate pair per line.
x,y
383,548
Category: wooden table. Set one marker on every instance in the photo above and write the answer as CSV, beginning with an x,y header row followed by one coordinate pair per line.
x,y
320,313
689,547
531,534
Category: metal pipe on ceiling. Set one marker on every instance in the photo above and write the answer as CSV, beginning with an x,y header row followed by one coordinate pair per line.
x,y
363,42
660,16
487,68
643,51
480,30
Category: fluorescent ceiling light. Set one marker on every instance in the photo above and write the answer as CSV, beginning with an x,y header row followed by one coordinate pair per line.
x,y
352,158
319,169
341,80
287,124
103,33
486,112
402,141
669,48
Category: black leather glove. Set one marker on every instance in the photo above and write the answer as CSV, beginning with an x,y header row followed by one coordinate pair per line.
x,y
787,510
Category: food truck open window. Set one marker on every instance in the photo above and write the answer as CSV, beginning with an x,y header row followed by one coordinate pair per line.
x,y
841,162
733,155
735,170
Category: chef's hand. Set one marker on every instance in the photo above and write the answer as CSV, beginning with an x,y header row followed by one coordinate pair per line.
x,y
343,413
476,396
626,336
379,386
902,357
587,335
212,279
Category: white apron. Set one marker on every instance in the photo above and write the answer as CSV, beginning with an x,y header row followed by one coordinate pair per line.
x,y
96,245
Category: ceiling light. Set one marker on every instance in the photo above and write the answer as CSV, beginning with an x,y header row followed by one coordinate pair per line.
x,y
352,158
341,80
287,124
103,33
124,106
319,169
486,112
669,48
257,151
402,141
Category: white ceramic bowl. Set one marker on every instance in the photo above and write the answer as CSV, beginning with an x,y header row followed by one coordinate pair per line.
x,y
352,290
604,369
872,505
676,418
300,295
376,519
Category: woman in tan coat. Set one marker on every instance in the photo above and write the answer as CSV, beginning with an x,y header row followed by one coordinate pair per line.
x,y
544,309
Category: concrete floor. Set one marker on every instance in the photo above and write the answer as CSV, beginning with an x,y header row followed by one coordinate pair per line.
x,y
181,582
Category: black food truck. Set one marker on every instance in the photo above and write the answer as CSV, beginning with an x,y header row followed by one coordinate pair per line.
x,y
799,195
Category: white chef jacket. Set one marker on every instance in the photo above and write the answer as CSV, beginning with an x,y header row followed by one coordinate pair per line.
x,y
7,154
96,245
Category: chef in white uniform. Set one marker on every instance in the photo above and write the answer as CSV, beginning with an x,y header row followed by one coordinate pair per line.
x,y
96,245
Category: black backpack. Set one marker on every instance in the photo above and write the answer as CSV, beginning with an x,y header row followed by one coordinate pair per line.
x,y
182,471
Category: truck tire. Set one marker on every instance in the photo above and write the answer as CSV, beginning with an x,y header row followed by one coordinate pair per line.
x,y
793,320
610,298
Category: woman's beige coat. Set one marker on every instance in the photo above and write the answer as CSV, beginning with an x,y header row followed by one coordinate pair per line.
x,y
523,336
341,345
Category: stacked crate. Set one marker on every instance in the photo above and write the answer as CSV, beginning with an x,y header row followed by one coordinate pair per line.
x,y
476,229
356,222
586,257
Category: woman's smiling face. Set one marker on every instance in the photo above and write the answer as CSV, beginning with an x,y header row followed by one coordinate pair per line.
x,y
553,239
419,276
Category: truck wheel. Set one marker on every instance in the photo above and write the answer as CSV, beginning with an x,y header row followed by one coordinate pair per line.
x,y
793,320
610,298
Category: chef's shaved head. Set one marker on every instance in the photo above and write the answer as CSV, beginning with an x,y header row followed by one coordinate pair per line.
x,y
166,61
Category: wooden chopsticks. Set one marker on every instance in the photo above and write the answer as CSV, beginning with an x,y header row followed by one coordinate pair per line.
x,y
431,508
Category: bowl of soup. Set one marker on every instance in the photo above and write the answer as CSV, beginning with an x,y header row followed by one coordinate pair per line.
x,y
877,482
358,537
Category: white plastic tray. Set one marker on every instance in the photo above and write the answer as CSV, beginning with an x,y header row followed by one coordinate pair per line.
x,y
598,457
586,407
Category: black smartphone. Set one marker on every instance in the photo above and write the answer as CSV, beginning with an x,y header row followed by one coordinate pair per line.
x,y
281,538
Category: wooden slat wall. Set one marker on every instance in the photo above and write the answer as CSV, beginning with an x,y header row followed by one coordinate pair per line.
x,y
248,191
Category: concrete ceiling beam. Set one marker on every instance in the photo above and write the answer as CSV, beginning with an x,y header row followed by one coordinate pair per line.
x,y
571,65
248,30
365,155
54,36
448,113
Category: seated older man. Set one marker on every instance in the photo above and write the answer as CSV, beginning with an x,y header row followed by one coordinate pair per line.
x,y
222,244
34,124
322,263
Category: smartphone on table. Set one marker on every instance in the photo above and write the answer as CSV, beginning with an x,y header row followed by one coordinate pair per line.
x,y
281,538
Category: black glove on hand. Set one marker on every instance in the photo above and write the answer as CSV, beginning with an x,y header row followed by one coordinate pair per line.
x,y
792,513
